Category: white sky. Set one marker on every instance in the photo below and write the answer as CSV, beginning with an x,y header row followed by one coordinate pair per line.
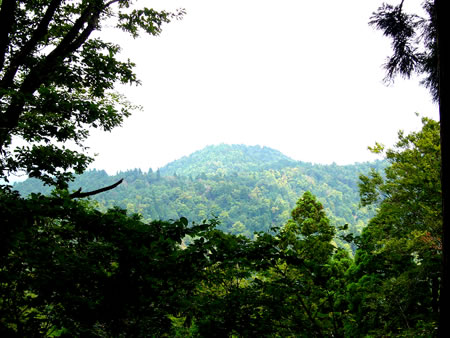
x,y
302,77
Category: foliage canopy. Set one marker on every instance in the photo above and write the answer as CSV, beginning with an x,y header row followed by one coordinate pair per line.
x,y
414,43
57,80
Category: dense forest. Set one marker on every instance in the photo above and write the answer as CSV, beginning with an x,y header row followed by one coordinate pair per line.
x,y
290,279
149,257
247,189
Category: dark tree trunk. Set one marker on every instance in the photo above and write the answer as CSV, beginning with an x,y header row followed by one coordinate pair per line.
x,y
443,27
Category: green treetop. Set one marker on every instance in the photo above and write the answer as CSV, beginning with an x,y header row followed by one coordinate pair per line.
x,y
394,283
309,231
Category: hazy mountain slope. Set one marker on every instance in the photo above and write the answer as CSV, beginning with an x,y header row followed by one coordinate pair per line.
x,y
248,188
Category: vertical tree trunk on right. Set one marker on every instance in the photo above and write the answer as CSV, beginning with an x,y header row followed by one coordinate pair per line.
x,y
441,8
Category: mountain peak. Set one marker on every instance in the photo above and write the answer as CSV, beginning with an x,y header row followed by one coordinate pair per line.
x,y
228,158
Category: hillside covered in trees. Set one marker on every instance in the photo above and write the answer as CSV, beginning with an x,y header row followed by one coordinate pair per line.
x,y
248,188
64,262
110,267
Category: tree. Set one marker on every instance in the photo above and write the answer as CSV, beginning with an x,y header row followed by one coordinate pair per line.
x,y
394,283
68,269
421,45
309,232
283,283
57,81
61,262
278,190
413,42
302,282
443,26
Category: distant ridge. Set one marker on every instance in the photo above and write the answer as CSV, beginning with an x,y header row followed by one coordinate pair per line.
x,y
249,188
229,159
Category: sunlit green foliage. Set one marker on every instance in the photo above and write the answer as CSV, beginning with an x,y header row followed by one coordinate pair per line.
x,y
64,261
397,267
283,283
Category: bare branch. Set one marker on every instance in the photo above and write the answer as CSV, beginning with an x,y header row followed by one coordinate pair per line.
x,y
79,194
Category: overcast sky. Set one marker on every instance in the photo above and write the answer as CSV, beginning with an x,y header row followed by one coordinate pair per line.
x,y
302,77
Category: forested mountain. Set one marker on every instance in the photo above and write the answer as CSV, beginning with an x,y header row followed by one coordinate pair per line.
x,y
228,159
70,267
180,279
249,188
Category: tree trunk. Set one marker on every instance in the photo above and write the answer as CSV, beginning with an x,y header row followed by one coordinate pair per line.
x,y
443,26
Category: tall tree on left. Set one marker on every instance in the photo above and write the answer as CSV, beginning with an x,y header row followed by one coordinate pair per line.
x,y
57,81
